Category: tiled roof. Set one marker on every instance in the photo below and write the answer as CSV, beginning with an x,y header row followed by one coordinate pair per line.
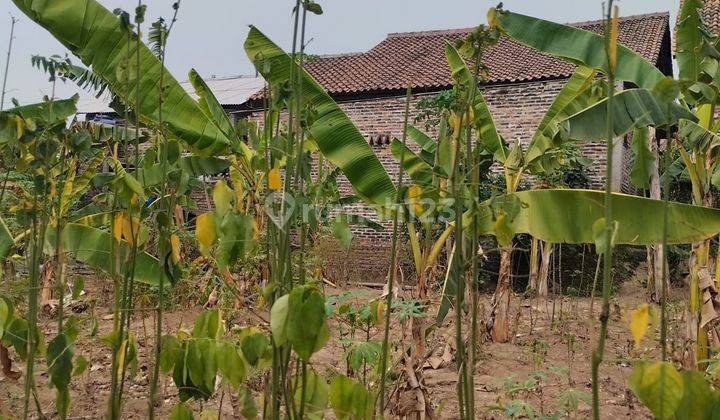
x,y
418,58
711,14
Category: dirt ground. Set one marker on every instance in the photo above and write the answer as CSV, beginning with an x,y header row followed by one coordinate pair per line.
x,y
553,339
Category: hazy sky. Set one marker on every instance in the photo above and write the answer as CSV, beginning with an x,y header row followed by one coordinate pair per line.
x,y
210,33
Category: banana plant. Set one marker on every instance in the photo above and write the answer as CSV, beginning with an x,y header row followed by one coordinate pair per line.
x,y
697,142
540,156
652,104
103,41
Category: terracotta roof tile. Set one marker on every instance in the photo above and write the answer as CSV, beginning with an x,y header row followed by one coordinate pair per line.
x,y
711,15
418,58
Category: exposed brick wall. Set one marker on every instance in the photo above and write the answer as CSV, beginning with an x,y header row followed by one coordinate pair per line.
x,y
516,108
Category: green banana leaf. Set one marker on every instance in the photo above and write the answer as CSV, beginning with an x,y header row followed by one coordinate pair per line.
x,y
574,96
45,113
483,120
420,172
697,138
97,37
427,143
643,158
689,40
209,103
197,166
92,246
6,241
577,46
215,112
631,108
336,136
567,216
194,166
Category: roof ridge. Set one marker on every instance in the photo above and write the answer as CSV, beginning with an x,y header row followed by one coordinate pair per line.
x,y
640,16
432,32
338,55
237,76
428,32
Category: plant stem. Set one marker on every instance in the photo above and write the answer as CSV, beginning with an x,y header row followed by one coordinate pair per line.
x,y
36,256
163,231
663,296
597,357
393,258
13,21
2,101
60,260
456,273
474,183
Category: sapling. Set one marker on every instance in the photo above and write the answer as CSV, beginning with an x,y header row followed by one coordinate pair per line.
x,y
611,30
163,32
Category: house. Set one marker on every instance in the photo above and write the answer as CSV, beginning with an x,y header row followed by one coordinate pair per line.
x,y
232,92
370,88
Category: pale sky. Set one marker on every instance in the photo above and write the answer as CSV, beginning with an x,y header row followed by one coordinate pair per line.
x,y
209,33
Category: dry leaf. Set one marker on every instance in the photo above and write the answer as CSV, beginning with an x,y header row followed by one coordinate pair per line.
x,y
639,321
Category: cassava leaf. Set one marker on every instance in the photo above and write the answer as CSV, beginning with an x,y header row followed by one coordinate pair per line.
x,y
307,328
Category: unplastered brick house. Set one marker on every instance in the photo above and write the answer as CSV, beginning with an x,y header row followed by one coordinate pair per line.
x,y
370,87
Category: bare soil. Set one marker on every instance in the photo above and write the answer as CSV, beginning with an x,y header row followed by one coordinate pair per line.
x,y
549,335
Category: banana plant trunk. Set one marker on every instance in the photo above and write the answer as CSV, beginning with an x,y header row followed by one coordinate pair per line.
x,y
701,294
656,253
499,319
47,276
534,266
544,273
418,323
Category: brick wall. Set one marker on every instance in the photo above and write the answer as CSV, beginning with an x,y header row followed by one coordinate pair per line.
x,y
516,108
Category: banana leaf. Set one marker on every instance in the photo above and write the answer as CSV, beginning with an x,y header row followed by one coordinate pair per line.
x,y
42,113
336,136
577,46
427,143
215,112
483,120
567,216
47,111
420,172
209,103
695,137
92,246
197,166
98,38
577,94
689,40
643,159
631,108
